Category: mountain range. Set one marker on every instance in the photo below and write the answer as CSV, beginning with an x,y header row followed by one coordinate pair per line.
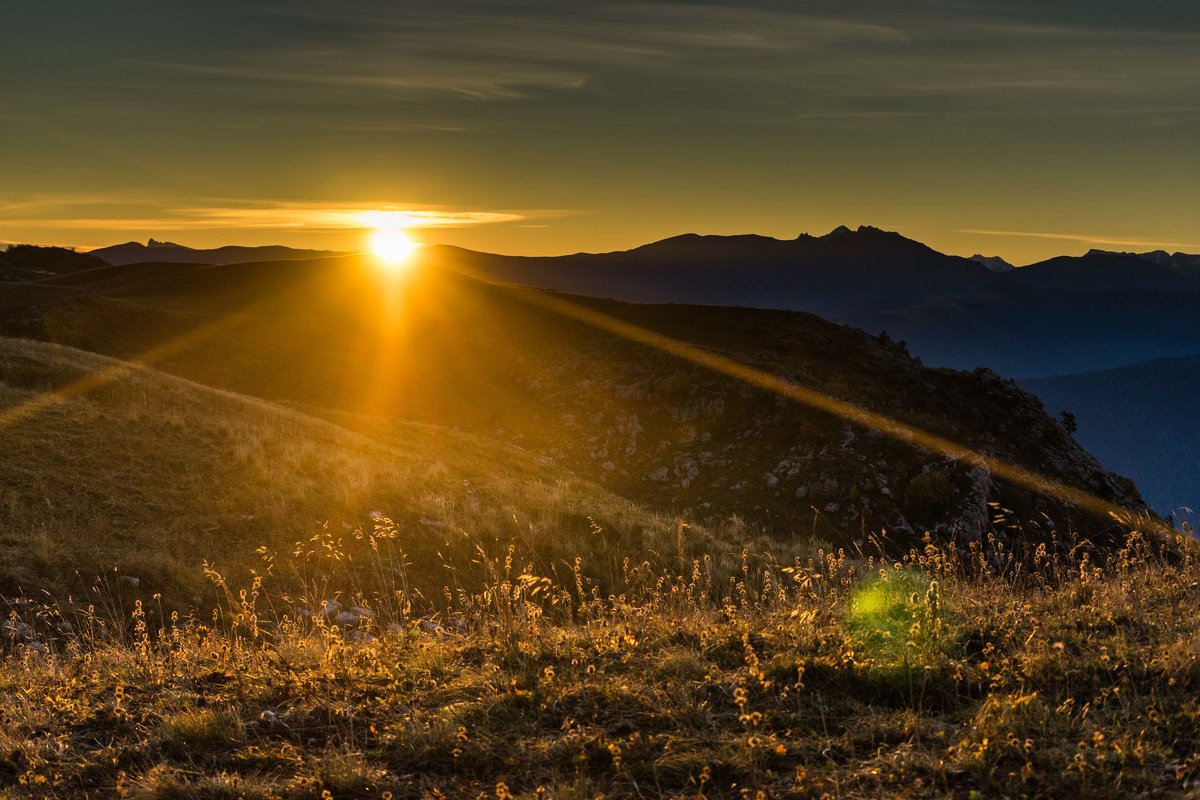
x,y
819,274
171,253
1048,324
1184,263
340,340
1066,316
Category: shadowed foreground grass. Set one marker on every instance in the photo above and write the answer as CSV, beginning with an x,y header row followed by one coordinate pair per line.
x,y
936,675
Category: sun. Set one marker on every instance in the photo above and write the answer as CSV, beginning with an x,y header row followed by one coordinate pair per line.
x,y
392,246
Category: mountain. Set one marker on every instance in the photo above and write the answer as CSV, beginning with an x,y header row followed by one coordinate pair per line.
x,y
809,273
994,263
1185,264
1064,315
1140,420
1061,316
169,252
613,403
1101,272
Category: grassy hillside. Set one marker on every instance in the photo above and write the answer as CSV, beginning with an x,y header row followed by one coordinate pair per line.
x,y
338,335
365,536
145,476
416,585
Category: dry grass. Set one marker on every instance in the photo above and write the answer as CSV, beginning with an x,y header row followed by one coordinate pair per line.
x,y
925,676
148,475
515,631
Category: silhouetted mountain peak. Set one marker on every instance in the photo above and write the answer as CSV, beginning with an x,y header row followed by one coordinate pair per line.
x,y
171,245
690,246
994,263
874,237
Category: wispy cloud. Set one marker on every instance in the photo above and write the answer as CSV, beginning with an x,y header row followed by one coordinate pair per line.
x,y
92,213
914,51
813,61
1118,241
474,53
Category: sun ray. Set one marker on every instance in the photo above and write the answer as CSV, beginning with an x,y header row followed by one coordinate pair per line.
x,y
814,398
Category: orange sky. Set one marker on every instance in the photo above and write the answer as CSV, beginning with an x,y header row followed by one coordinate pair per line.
x,y
1003,127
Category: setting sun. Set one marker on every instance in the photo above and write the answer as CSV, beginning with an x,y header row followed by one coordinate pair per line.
x,y
392,245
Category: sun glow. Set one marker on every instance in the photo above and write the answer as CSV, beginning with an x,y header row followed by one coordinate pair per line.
x,y
393,246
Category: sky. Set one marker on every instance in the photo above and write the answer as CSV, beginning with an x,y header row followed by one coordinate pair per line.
x,y
1024,129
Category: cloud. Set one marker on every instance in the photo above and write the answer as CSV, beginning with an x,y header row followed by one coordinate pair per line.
x,y
367,62
470,51
473,53
400,78
1119,241
91,213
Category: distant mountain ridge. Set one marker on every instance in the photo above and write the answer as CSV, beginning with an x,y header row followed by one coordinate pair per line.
x,y
1100,271
808,273
1185,264
1064,315
169,252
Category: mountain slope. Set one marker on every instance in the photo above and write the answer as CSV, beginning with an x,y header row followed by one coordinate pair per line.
x,y
502,362
1185,264
1102,272
994,263
149,475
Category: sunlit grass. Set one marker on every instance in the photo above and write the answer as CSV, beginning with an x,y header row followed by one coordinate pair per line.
x,y
1076,678
216,474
